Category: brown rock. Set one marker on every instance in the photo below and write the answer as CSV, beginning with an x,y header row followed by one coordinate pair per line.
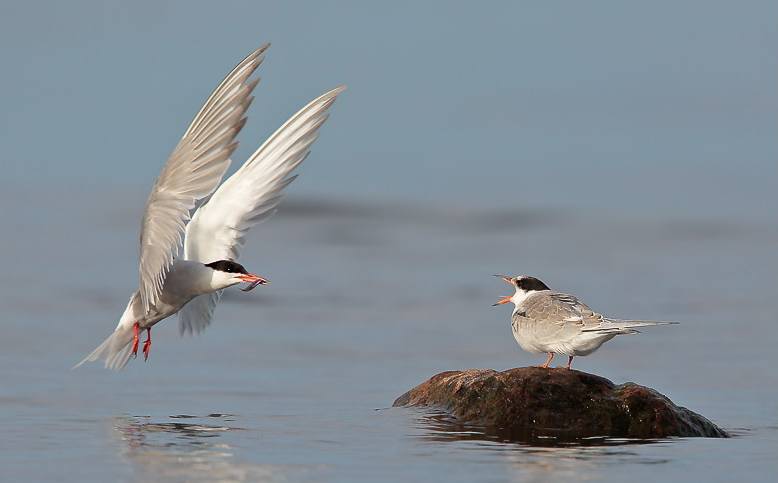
x,y
528,402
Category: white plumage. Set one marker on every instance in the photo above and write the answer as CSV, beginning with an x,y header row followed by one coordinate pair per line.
x,y
558,323
212,240
218,228
192,172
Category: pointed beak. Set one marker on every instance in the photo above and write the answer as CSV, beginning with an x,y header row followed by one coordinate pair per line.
x,y
503,300
505,279
507,298
253,280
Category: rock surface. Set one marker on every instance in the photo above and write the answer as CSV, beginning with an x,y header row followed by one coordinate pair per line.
x,y
528,402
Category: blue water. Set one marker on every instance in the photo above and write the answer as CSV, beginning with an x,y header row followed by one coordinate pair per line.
x,y
293,381
624,152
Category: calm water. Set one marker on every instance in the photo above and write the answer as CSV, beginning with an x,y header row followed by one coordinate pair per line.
x,y
640,137
293,381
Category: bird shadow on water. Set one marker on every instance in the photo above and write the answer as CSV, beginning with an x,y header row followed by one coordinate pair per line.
x,y
186,448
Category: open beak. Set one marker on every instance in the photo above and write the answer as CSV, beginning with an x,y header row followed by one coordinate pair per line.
x,y
506,279
253,281
503,300
507,298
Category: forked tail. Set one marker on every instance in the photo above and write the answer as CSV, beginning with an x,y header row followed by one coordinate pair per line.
x,y
115,350
617,326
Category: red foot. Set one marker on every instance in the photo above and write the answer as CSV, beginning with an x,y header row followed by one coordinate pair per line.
x,y
135,339
147,345
549,357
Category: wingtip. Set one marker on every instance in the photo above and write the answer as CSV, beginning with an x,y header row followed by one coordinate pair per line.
x,y
261,49
324,101
336,91
255,58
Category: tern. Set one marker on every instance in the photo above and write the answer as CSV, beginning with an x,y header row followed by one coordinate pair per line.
x,y
192,284
558,323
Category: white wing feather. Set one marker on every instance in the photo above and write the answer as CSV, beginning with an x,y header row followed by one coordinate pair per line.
x,y
218,228
192,172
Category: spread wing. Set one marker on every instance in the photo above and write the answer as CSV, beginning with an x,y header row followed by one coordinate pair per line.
x,y
219,227
192,172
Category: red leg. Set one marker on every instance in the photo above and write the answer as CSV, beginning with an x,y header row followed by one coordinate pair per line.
x,y
548,360
135,339
147,345
569,362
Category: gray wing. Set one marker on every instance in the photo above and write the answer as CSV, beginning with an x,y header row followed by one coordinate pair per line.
x,y
557,316
219,227
192,172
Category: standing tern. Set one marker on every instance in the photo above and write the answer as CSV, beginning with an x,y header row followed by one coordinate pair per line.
x,y
559,323
191,285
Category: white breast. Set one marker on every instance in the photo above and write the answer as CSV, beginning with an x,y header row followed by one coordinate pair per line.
x,y
186,280
525,335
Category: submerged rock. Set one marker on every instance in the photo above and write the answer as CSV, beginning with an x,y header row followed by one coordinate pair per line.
x,y
528,402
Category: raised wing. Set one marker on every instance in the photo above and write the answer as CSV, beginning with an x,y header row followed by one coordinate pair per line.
x,y
192,172
218,228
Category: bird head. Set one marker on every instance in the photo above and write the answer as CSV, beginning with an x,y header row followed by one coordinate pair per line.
x,y
523,285
227,273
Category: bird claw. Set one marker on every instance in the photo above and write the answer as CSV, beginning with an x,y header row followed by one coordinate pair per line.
x,y
135,340
147,346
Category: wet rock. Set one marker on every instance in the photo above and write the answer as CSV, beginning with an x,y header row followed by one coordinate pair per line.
x,y
527,402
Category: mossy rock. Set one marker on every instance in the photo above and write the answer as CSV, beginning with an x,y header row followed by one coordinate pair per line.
x,y
528,402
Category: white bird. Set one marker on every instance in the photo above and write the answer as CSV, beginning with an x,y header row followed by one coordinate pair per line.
x,y
192,284
558,323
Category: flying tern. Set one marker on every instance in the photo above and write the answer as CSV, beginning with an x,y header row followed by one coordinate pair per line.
x,y
191,284
558,323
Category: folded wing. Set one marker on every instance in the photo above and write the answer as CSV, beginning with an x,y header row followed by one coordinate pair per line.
x,y
218,228
192,172
560,313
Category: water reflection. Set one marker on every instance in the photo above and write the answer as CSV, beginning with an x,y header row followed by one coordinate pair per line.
x,y
538,458
442,427
186,448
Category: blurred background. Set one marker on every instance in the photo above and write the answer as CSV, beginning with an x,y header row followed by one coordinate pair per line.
x,y
623,152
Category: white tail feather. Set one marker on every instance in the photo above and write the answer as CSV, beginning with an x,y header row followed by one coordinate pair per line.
x,y
115,350
617,326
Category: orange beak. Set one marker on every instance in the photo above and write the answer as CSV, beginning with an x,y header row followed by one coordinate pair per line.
x,y
507,298
253,280
503,300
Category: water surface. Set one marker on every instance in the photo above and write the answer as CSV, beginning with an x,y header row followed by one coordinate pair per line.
x,y
293,381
